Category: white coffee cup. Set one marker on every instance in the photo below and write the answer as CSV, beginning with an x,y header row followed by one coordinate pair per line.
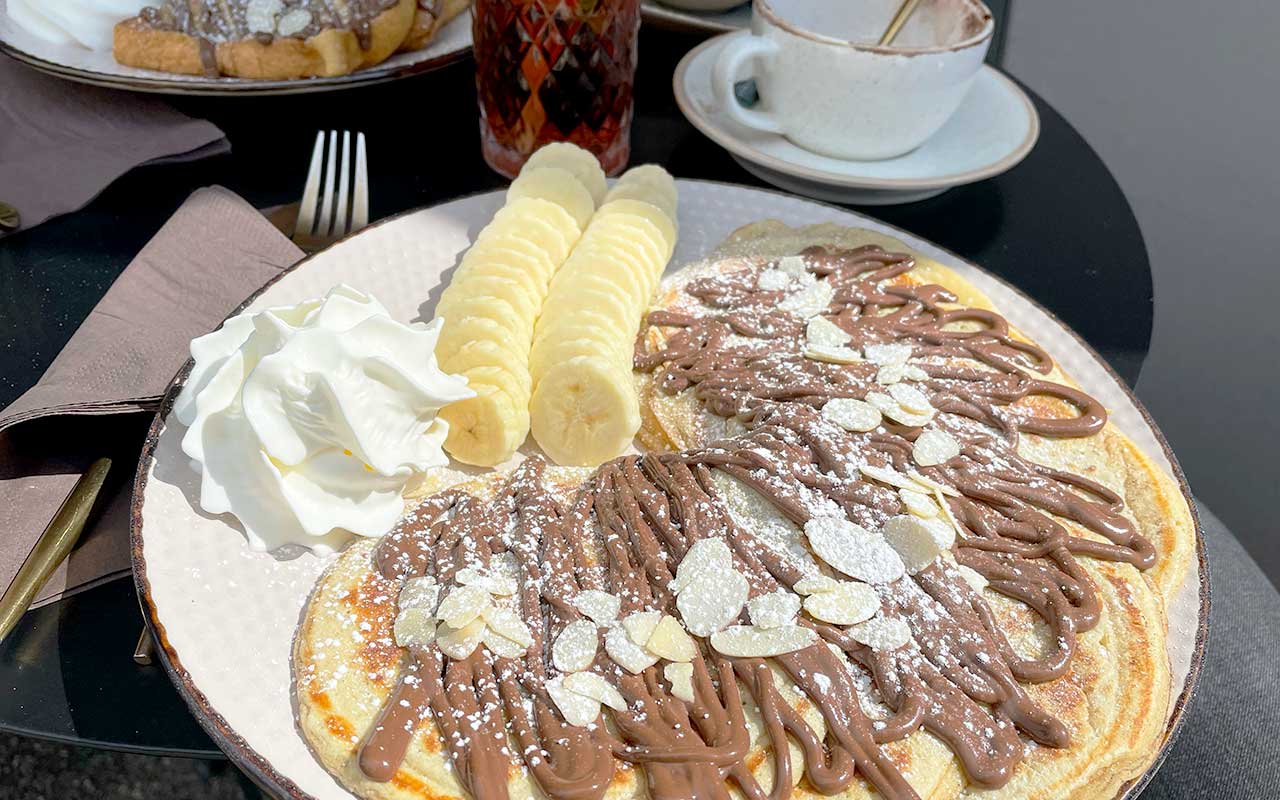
x,y
825,85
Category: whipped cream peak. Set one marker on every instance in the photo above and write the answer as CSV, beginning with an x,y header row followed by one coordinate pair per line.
x,y
307,421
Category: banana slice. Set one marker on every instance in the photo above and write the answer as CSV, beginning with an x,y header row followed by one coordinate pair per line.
x,y
649,183
647,212
486,429
590,276
581,163
636,235
558,185
612,263
561,351
488,353
457,333
543,222
455,307
526,307
584,411
557,320
509,266
542,265
504,378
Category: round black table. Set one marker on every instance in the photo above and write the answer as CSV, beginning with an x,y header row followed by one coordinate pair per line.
x,y
1057,226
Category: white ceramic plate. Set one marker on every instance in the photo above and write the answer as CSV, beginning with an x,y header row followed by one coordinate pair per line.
x,y
732,19
225,616
97,67
992,131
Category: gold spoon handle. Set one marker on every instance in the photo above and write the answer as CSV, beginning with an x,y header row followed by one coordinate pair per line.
x,y
53,546
905,11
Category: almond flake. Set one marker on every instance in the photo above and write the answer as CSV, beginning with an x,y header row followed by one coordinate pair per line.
x,y
932,485
890,374
640,625
260,15
914,373
913,540
815,584
506,622
918,504
881,401
908,418
794,266
933,447
491,582
589,684
711,554
887,475
910,398
825,333
850,602
748,641
293,22
972,577
423,593
575,647
851,414
501,646
458,643
773,610
881,633
577,709
680,676
852,550
715,601
810,301
414,627
670,641
772,280
626,653
831,355
600,607
463,604
883,355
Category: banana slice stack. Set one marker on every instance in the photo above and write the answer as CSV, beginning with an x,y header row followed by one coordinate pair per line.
x,y
497,293
584,409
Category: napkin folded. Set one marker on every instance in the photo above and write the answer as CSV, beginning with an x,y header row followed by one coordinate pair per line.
x,y
212,254
61,143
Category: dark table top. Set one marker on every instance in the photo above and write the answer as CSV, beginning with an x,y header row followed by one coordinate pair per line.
x,y
1057,226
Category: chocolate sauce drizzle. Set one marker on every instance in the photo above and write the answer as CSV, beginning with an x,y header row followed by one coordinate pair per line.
x,y
631,523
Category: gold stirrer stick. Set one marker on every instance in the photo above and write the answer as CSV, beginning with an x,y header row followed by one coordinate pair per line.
x,y
905,11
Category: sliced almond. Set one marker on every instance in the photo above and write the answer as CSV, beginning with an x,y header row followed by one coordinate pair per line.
x,y
794,266
823,332
852,414
414,627
891,374
772,280
773,610
814,584
914,373
489,580
749,641
626,653
704,554
888,476
589,684
680,676
423,593
575,647
831,355
918,504
458,643
670,641
640,625
932,485
933,447
600,607
294,21
972,577
886,354
913,540
463,604
853,550
501,646
810,301
507,622
260,15
576,708
713,602
910,398
881,633
850,602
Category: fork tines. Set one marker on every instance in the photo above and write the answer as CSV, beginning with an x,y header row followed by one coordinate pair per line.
x,y
342,195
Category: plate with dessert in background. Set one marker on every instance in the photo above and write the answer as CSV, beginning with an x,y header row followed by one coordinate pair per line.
x,y
234,46
664,489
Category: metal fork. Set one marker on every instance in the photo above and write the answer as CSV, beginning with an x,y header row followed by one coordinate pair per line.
x,y
340,205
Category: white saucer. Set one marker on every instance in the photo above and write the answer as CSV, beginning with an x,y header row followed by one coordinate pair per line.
x,y
993,130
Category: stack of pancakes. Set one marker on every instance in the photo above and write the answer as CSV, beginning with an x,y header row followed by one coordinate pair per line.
x,y
277,39
1067,696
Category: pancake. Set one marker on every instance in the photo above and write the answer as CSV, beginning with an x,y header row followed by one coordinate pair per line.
x,y
1021,674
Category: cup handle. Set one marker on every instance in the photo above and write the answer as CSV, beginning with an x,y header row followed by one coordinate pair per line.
x,y
736,54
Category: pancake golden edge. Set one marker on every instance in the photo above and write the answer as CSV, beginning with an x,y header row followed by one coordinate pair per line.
x,y
1114,698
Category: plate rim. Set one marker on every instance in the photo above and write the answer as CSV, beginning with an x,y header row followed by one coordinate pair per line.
x,y
224,86
680,19
266,776
736,146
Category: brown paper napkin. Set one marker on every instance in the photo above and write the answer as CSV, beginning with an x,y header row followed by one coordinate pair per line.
x,y
61,143
212,254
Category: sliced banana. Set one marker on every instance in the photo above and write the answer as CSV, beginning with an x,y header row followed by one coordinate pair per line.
x,y
592,346
541,221
639,209
488,353
581,163
649,183
503,378
486,429
634,235
558,185
455,307
584,411
479,284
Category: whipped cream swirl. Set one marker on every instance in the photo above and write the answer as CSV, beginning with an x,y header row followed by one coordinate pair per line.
x,y
88,23
306,422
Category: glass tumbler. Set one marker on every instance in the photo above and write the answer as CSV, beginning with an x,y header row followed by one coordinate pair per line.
x,y
555,71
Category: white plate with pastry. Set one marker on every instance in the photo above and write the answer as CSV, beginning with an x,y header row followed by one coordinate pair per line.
x,y
283,450
262,47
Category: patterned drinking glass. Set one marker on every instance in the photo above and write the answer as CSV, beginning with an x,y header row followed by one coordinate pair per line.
x,y
553,71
